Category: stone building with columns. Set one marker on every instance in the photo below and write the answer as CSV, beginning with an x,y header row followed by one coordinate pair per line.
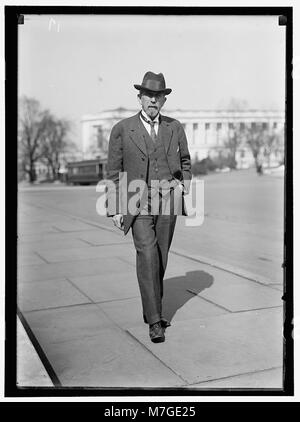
x,y
207,131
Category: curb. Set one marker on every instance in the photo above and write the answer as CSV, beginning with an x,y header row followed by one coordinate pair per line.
x,y
226,267
35,361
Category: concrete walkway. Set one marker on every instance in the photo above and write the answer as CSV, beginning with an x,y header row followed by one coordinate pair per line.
x,y
78,294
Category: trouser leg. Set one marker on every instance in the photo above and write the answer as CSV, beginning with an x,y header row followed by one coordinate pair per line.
x,y
152,237
165,226
147,266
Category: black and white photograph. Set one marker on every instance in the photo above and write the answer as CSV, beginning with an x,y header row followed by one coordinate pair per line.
x,y
152,201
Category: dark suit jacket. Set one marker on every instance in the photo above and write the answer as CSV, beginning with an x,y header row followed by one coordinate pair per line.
x,y
127,153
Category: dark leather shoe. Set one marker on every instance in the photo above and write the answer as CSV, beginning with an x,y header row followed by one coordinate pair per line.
x,y
156,333
165,323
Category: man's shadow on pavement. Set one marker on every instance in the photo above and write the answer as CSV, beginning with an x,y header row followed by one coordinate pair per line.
x,y
176,292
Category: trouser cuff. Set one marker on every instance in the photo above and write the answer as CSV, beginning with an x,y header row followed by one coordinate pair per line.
x,y
153,319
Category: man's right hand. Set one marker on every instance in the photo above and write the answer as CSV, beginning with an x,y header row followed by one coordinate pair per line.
x,y
118,221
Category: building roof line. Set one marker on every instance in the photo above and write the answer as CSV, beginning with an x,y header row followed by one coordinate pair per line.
x,y
120,109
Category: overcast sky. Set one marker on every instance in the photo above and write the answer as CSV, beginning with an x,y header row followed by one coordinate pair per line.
x,y
75,65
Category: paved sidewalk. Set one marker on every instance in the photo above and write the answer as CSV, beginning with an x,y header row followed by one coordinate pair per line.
x,y
78,293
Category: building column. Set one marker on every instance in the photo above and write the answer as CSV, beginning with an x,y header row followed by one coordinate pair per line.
x,y
85,136
189,133
201,134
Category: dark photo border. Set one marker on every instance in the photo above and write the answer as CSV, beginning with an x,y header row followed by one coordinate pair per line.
x,y
14,18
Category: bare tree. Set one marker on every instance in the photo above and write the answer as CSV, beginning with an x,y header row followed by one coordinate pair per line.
x,y
233,104
256,139
54,143
233,142
235,134
31,129
273,144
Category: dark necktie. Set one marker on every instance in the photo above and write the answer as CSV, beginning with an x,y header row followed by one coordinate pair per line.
x,y
151,123
152,133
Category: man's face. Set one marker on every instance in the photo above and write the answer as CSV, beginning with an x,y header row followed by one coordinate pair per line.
x,y
151,102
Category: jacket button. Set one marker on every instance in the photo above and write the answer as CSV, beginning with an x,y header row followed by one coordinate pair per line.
x,y
143,159
142,175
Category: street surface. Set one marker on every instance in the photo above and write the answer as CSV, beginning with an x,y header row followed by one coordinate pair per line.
x,y
243,224
79,302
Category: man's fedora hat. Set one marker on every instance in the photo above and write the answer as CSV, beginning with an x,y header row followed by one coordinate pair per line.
x,y
154,82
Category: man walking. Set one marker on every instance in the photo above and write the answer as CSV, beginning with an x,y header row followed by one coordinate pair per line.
x,y
150,148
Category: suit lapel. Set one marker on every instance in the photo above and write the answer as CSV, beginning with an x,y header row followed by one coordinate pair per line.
x,y
165,132
136,133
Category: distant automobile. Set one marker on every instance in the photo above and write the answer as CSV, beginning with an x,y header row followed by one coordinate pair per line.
x,y
275,171
86,172
223,170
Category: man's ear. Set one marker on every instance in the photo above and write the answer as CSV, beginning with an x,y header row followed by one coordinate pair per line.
x,y
139,98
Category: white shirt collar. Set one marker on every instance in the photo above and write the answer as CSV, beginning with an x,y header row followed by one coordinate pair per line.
x,y
156,120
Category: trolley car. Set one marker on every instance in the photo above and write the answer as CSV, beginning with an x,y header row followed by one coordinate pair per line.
x,y
86,172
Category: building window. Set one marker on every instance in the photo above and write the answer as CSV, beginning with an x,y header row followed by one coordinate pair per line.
x,y
253,125
230,125
207,126
100,137
275,125
219,126
265,125
242,126
195,130
183,125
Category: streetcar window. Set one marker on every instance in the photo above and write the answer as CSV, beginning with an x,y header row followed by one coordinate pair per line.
x,y
87,169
